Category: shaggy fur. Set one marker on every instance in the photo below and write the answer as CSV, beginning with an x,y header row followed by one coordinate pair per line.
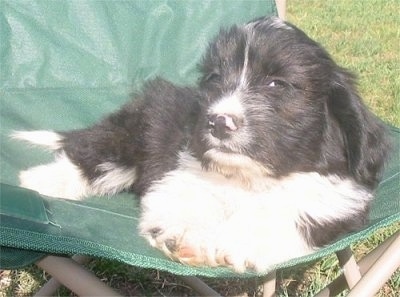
x,y
272,155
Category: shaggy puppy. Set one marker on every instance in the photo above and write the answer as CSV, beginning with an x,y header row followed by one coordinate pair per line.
x,y
272,155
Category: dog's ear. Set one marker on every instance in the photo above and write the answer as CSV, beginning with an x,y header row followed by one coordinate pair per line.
x,y
365,137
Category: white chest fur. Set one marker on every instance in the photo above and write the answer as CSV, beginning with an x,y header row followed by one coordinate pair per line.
x,y
218,218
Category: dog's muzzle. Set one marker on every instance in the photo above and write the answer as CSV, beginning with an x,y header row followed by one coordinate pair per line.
x,y
222,125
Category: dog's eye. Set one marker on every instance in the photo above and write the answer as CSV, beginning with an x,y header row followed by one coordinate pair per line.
x,y
275,83
213,77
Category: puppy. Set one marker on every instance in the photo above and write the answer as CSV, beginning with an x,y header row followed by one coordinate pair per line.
x,y
272,155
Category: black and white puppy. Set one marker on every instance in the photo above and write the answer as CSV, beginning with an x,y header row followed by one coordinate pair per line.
x,y
272,155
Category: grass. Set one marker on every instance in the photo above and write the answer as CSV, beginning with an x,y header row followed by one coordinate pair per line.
x,y
362,36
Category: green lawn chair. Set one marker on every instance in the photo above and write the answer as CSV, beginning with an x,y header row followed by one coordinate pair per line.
x,y
65,64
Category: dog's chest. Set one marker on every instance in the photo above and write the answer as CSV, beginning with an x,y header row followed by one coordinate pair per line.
x,y
189,186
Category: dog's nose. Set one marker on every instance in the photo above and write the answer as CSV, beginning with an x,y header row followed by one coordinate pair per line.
x,y
221,125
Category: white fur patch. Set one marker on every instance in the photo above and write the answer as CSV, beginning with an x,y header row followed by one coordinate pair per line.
x,y
113,179
230,105
329,199
239,167
242,136
222,222
243,79
48,139
58,179
280,24
276,22
63,179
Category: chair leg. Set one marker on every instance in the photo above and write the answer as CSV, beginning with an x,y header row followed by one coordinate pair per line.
x,y
49,288
339,284
199,286
53,284
380,272
281,6
75,277
269,285
349,265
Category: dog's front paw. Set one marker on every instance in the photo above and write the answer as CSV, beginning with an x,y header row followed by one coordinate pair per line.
x,y
189,244
196,246
244,254
201,237
259,242
218,230
252,245
198,242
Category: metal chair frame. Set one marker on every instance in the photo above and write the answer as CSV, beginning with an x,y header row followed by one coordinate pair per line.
x,y
364,278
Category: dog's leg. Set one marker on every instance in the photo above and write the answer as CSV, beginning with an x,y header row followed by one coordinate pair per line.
x,y
129,149
66,177
60,178
211,230
201,218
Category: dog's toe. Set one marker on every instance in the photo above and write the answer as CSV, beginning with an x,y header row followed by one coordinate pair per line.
x,y
185,249
171,245
186,252
155,232
236,263
194,256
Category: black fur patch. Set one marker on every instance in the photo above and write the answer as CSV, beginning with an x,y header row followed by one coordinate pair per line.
x,y
145,134
319,234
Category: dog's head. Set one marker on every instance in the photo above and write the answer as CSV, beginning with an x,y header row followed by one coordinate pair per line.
x,y
275,103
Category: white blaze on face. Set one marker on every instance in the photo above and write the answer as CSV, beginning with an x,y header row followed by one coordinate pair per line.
x,y
243,78
228,105
231,104
231,107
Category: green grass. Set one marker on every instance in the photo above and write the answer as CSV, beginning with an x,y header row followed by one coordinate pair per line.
x,y
362,36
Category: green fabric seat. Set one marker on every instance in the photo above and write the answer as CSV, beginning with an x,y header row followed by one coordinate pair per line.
x,y
64,65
